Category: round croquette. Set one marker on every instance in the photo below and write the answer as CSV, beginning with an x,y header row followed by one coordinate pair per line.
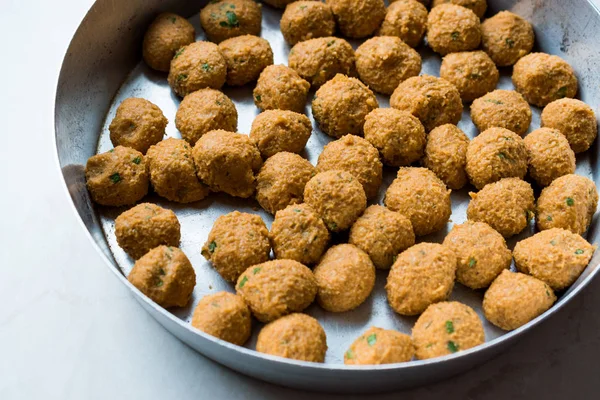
x,y
281,181
422,197
224,19
304,20
277,288
357,18
227,162
165,275
569,202
337,197
166,34
225,316
246,56
506,37
345,278
503,109
118,177
138,124
383,62
235,242
382,234
446,155
481,252
281,88
296,336
550,155
422,275
280,130
406,19
380,346
452,28
477,6
574,119
472,72
435,101
542,78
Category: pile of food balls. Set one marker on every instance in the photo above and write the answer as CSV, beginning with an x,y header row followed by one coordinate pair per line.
x,y
310,203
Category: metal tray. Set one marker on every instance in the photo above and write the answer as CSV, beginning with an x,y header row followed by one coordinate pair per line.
x,y
102,67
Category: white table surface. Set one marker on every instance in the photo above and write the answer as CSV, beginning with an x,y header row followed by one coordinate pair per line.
x,y
70,330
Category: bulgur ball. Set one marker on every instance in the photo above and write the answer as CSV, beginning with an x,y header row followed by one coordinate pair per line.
x,y
281,88
406,19
380,346
472,72
452,28
224,19
477,6
246,56
550,155
506,37
138,124
503,109
574,119
446,155
280,130
304,20
358,18
225,316
166,34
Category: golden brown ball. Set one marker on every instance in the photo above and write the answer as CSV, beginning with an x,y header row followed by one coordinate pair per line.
x,y
574,119
166,34
246,56
304,20
281,88
452,28
406,19
380,346
503,109
472,72
280,130
358,18
446,155
225,316
506,37
550,155
138,124
224,19
477,6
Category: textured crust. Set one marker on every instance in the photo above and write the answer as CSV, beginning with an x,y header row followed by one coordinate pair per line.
x,y
274,131
477,6
165,35
406,19
550,155
225,316
281,88
472,72
574,119
380,346
224,19
246,56
358,18
506,37
446,155
503,109
304,20
452,28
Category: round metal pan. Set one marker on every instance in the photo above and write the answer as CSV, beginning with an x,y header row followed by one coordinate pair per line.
x,y
102,67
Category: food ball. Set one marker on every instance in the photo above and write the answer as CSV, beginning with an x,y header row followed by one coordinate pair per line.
x,y
227,162
406,19
503,109
383,62
166,34
382,234
357,156
380,346
550,155
296,336
495,154
235,242
358,18
277,288
246,56
472,72
422,275
481,253
281,181
138,124
574,119
452,28
318,60
281,88
203,111
224,316
542,78
337,197
434,101
341,105
506,37
446,155
304,20
172,172
118,177
146,226
422,197
477,6
280,130
165,275
569,203
298,234
345,278
197,66
224,19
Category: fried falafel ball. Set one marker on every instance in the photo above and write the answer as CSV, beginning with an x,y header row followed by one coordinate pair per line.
x,y
281,181
435,101
345,278
277,288
246,56
224,19
225,316
319,60
422,275
422,197
304,20
446,155
383,62
337,197
299,234
358,18
146,226
477,6
574,119
295,336
380,346
281,88
495,154
165,275
506,37
569,202
481,252
118,177
280,130
166,34
406,19
452,28
138,124
542,78
550,155
382,234
472,72
503,109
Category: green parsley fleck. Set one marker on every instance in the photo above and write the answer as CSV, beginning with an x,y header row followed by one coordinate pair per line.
x,y
232,20
452,347
570,201
372,339
455,35
111,151
302,7
494,101
173,19
547,293
181,77
162,272
474,76
350,354
472,262
331,43
394,259
137,160
449,327
553,242
297,210
502,156
549,218
258,98
115,178
429,345
256,270
179,52
159,283
562,92
510,43
578,251
243,281
212,246
206,67
332,226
